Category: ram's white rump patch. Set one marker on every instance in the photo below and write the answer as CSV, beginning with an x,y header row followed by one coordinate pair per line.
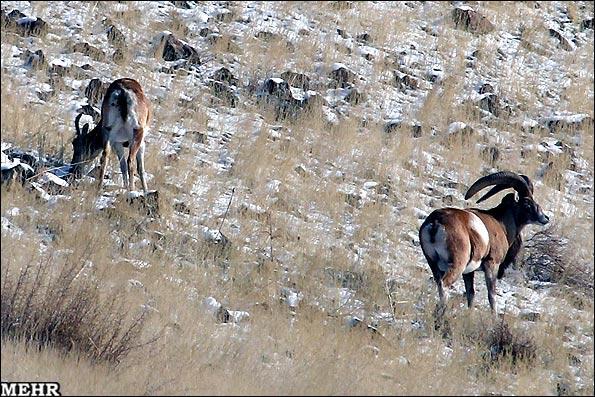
x,y
438,247
122,130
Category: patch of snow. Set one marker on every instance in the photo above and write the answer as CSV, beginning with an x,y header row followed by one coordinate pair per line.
x,y
211,304
7,163
212,235
273,186
464,7
48,177
65,62
140,244
337,65
132,283
370,184
330,115
11,228
103,202
291,296
455,127
238,316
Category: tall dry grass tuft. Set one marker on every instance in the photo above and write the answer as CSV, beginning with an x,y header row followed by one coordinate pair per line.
x,y
60,305
503,342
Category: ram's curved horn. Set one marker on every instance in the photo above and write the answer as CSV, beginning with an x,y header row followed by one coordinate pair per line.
x,y
502,180
76,125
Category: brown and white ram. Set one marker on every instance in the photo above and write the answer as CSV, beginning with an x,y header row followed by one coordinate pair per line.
x,y
125,116
458,242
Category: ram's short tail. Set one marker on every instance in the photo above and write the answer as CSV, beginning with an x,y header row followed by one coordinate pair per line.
x,y
432,230
123,104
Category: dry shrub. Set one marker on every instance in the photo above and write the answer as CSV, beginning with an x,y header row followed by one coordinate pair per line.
x,y
61,307
503,343
545,256
548,257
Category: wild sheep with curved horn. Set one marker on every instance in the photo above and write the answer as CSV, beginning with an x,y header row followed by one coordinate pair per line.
x,y
125,116
458,242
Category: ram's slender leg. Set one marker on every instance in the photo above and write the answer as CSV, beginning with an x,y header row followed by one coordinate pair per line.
x,y
119,149
140,165
469,288
490,276
137,141
104,160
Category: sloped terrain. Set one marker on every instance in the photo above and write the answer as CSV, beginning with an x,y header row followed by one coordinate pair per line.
x,y
296,149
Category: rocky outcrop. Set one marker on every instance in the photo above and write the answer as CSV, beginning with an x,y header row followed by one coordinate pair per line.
x,y
567,122
74,71
341,76
398,126
17,22
404,81
115,37
466,18
174,49
34,60
565,43
223,86
87,49
298,80
95,91
288,100
224,75
587,24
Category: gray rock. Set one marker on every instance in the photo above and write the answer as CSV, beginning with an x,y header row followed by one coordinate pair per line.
x,y
342,77
223,92
565,44
19,23
87,49
295,79
466,18
34,60
490,103
224,75
354,96
174,49
115,37
95,92
404,80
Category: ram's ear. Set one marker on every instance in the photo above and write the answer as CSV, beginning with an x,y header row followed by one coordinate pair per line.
x,y
510,198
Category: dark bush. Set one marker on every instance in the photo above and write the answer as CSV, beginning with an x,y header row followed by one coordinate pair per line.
x,y
63,306
502,342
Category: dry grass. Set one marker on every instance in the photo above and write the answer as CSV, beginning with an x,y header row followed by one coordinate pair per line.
x,y
306,354
40,133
